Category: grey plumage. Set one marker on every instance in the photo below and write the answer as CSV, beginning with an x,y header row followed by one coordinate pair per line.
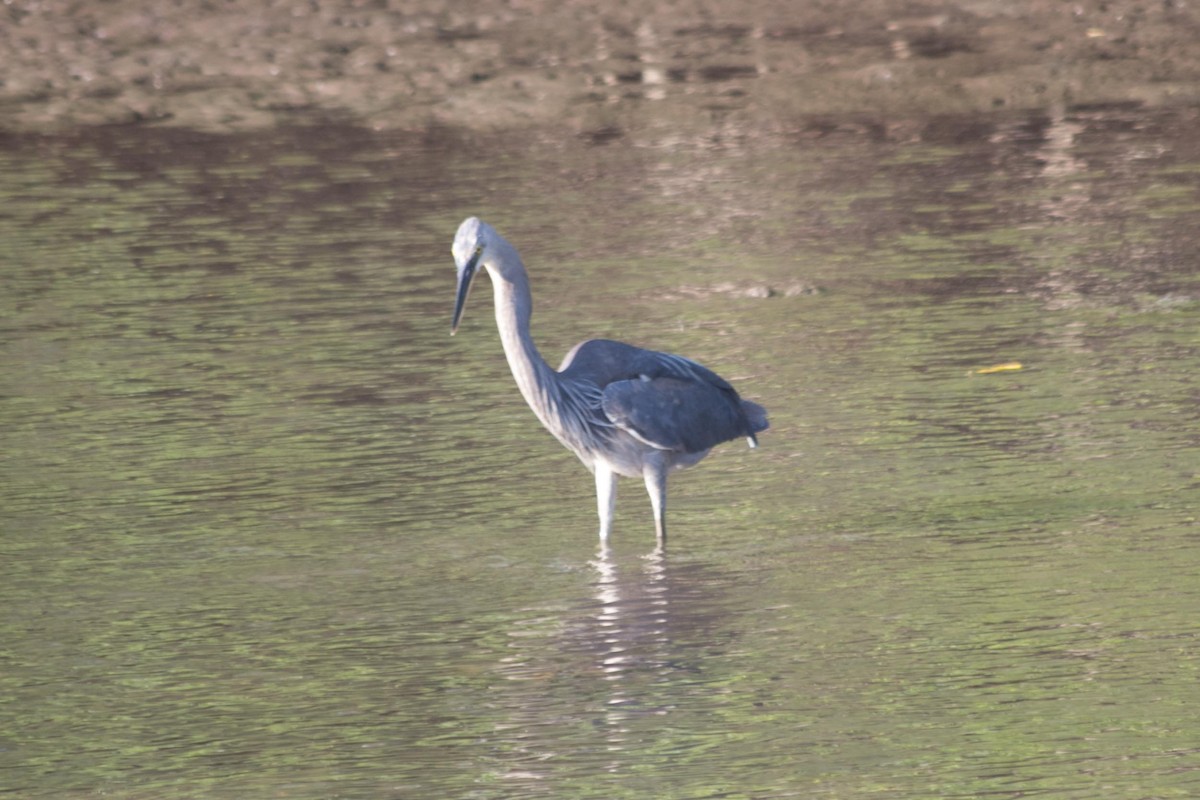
x,y
621,409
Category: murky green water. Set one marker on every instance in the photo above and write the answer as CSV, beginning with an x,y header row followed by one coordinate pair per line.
x,y
269,532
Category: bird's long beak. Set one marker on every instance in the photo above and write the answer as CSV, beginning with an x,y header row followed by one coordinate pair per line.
x,y
466,276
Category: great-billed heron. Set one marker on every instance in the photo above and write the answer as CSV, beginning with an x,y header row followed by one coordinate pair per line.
x,y
621,409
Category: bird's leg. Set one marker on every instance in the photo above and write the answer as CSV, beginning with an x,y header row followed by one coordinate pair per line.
x,y
606,497
655,475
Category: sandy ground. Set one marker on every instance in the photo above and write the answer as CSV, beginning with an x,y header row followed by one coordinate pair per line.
x,y
601,68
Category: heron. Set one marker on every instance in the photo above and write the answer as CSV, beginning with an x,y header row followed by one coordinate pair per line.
x,y
623,410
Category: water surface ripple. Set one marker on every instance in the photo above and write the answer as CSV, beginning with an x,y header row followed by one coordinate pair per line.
x,y
268,531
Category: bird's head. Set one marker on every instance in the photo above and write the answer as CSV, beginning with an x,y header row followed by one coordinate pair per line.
x,y
478,245
470,243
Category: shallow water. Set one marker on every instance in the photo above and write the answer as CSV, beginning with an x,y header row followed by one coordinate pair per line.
x,y
269,531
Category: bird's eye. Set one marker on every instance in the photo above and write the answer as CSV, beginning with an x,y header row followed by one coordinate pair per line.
x,y
478,249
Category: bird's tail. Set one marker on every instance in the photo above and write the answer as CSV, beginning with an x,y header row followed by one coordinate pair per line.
x,y
756,417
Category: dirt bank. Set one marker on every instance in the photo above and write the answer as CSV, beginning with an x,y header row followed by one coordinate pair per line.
x,y
601,68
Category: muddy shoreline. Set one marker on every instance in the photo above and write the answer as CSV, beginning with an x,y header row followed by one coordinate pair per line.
x,y
600,70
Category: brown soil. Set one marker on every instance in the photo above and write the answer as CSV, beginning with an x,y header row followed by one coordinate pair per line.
x,y
602,68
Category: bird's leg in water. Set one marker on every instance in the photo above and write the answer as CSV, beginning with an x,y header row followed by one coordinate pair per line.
x,y
655,474
606,497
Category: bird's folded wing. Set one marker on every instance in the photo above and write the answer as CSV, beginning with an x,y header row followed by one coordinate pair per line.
x,y
673,413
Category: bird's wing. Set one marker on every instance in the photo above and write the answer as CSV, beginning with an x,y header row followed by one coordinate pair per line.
x,y
600,361
664,400
672,413
604,361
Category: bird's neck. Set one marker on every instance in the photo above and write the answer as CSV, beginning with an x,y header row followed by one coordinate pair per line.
x,y
534,377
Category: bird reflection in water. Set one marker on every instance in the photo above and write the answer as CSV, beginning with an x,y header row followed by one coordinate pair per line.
x,y
594,684
632,621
